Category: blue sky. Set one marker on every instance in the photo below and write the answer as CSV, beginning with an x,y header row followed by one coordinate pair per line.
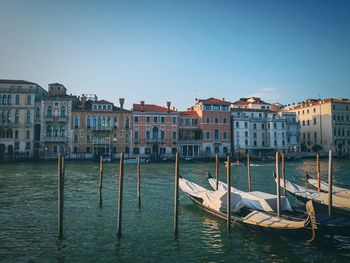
x,y
284,51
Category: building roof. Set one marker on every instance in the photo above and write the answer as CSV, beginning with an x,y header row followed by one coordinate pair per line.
x,y
103,102
151,108
14,81
214,100
189,113
313,102
253,110
247,101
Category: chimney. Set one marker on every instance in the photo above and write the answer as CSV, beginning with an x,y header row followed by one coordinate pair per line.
x,y
223,99
142,105
83,101
168,103
121,102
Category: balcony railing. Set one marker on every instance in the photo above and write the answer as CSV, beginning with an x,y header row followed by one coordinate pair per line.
x,y
54,139
102,129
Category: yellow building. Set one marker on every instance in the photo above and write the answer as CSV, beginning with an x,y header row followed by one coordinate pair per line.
x,y
325,124
19,116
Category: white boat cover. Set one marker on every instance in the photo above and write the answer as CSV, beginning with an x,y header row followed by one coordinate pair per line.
x,y
320,197
211,199
255,200
338,191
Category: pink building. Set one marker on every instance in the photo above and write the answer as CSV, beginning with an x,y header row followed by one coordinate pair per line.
x,y
155,130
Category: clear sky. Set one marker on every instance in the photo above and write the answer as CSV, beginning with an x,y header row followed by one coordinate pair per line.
x,y
284,51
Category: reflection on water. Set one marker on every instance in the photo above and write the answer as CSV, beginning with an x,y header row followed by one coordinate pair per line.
x,y
28,222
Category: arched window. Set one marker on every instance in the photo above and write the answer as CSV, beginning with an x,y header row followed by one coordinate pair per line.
x,y
216,135
63,111
62,131
76,121
9,100
127,123
17,100
99,122
9,116
49,111
115,122
28,116
4,99
16,134
29,100
27,134
4,116
88,122
37,112
48,131
104,121
16,116
95,122
0,99
55,131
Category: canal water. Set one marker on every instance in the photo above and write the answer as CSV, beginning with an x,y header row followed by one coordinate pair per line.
x,y
28,222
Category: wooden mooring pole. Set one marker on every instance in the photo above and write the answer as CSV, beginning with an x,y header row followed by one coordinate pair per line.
x,y
284,175
249,179
318,172
176,194
100,180
60,193
228,195
120,194
330,182
278,185
217,171
139,181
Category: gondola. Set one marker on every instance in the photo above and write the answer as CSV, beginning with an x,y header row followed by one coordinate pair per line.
x,y
215,203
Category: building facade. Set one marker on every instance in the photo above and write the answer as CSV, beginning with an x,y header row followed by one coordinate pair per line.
x,y
260,129
56,118
155,130
214,122
324,125
100,128
19,128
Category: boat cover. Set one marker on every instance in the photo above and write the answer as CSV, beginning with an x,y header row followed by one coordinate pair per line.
x,y
320,197
211,199
255,200
338,191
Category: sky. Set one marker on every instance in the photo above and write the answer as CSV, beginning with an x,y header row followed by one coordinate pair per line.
x,y
158,51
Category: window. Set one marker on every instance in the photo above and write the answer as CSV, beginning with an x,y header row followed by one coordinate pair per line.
x,y
48,131
254,143
136,136
49,111
136,151
207,119
76,138
207,107
174,136
262,126
62,131
254,126
282,125
17,117
148,119
216,149
275,143
224,135
27,145
174,120
155,119
263,143
237,124
9,100
315,135
162,135
314,110
28,116
216,135
104,107
17,100
37,112
162,119
207,135
275,125
88,122
127,123
63,111
27,135
224,120
315,121
136,119
245,124
207,149
216,107
254,134
216,120
303,123
194,122
16,134
76,122
56,104
162,150
4,99
16,145
224,108
148,135
308,122
29,100
246,142
99,107
147,150
88,137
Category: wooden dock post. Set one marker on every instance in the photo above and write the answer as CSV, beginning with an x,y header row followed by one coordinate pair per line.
x,y
330,182
176,193
120,194
100,180
278,185
217,171
284,175
249,179
318,172
139,182
60,196
228,195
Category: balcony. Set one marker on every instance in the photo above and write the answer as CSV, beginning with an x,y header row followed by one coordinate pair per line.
x,y
101,141
54,139
48,118
102,129
162,140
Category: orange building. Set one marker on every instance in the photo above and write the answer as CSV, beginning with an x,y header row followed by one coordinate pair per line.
x,y
214,122
155,130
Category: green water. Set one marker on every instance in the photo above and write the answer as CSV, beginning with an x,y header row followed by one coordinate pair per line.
x,y
28,223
